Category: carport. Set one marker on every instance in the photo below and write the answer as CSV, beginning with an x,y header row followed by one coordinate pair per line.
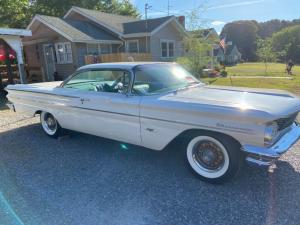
x,y
10,40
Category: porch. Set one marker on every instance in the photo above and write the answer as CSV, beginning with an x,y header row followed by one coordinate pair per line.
x,y
11,56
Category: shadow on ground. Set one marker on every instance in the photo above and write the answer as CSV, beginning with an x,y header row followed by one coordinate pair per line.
x,y
90,180
3,100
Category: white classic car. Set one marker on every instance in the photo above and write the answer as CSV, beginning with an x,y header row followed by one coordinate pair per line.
x,y
152,104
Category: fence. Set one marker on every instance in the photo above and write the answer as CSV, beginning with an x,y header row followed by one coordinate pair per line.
x,y
118,57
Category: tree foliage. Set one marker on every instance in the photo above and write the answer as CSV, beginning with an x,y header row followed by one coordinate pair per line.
x,y
18,13
265,52
245,33
197,55
14,13
268,28
197,50
287,42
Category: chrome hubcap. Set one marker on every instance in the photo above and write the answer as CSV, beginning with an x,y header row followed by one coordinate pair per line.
x,y
49,123
208,155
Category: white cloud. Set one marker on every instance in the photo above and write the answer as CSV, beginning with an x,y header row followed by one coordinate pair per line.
x,y
235,4
217,23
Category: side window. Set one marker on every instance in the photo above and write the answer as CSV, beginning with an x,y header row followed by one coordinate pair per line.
x,y
100,81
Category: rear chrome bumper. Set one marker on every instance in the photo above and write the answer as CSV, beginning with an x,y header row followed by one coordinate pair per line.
x,y
265,156
11,106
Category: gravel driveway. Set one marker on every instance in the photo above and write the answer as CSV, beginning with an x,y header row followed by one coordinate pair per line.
x,y
87,180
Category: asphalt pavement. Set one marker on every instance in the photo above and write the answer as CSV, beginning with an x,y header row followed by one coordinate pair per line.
x,y
85,180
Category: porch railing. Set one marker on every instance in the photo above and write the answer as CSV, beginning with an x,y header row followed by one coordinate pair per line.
x,y
118,57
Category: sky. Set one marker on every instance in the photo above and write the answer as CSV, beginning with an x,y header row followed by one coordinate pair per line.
x,y
218,12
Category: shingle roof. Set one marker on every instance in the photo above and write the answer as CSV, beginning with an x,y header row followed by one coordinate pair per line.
x,y
85,31
76,30
112,20
91,30
140,26
124,24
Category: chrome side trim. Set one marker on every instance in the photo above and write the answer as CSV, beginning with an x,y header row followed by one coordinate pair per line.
x,y
163,120
280,147
39,92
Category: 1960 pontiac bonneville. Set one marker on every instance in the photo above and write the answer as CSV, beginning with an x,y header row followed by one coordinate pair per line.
x,y
152,104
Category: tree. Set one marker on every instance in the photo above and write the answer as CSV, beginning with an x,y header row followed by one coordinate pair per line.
x,y
287,42
197,50
265,52
14,13
268,28
18,13
244,35
197,55
123,7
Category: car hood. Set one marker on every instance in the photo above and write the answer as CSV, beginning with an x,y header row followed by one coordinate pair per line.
x,y
261,103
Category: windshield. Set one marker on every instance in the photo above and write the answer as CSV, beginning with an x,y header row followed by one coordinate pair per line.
x,y
158,78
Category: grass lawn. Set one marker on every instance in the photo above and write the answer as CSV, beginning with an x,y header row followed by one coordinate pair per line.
x,y
257,69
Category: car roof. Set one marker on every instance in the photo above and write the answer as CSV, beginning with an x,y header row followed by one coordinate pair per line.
x,y
119,65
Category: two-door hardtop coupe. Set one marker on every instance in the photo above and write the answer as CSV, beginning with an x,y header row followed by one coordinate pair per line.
x,y
152,104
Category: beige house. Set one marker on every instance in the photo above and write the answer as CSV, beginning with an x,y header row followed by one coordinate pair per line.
x,y
58,46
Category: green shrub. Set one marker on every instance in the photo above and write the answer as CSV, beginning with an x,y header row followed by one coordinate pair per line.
x,y
194,68
223,73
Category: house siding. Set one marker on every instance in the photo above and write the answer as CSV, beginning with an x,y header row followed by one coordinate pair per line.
x,y
35,53
169,32
81,50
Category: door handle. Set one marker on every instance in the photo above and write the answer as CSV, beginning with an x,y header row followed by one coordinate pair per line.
x,y
84,100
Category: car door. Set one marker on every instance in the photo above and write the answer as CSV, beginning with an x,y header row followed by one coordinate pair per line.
x,y
103,106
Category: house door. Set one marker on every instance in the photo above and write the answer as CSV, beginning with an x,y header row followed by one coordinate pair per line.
x,y
49,62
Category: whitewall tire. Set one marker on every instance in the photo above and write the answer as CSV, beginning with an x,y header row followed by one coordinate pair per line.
x,y
50,125
213,160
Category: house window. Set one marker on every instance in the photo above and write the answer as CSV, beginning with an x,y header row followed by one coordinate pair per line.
x,y
133,46
63,52
167,48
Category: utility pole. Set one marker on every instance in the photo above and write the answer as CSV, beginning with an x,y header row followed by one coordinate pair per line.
x,y
147,7
169,7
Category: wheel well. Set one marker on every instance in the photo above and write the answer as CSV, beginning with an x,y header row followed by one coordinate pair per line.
x,y
38,112
185,135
